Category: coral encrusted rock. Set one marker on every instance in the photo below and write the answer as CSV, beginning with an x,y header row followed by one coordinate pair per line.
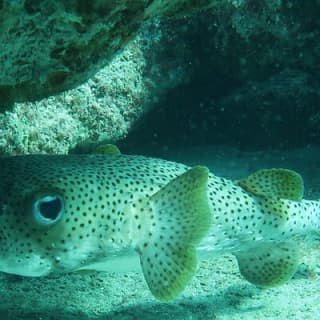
x,y
50,46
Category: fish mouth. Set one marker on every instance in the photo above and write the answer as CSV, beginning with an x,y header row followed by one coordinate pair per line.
x,y
31,267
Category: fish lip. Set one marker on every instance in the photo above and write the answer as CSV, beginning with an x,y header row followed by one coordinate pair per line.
x,y
27,268
25,273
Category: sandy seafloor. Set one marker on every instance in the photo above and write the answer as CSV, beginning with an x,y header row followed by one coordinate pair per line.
x,y
217,290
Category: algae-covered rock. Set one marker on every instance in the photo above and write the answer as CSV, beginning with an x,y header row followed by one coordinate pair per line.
x,y
209,57
102,108
50,46
105,107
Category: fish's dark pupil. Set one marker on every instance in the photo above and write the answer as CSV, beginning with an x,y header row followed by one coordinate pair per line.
x,y
50,209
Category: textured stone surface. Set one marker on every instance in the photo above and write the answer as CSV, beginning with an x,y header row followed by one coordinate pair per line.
x,y
244,73
104,108
50,46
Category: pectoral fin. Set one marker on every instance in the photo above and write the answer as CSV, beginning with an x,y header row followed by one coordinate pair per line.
x,y
175,220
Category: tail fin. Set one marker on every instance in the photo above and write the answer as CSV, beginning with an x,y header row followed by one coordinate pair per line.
x,y
174,220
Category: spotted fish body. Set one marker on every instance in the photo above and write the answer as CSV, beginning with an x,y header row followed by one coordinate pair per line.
x,y
68,213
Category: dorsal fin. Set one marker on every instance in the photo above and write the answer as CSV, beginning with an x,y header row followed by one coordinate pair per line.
x,y
274,183
107,149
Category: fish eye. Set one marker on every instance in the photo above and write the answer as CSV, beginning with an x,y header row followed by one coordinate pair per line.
x,y
48,209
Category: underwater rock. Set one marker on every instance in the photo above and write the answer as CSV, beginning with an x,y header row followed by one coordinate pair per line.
x,y
50,46
266,50
209,57
107,105
103,108
252,40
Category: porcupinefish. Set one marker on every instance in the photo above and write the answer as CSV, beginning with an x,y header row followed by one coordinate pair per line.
x,y
94,212
79,212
